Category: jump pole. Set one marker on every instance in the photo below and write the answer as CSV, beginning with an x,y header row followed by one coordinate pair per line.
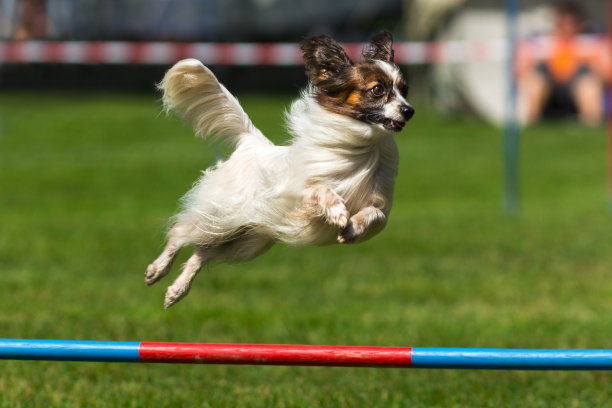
x,y
609,109
511,126
304,355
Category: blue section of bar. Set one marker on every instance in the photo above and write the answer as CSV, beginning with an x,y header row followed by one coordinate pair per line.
x,y
69,350
512,359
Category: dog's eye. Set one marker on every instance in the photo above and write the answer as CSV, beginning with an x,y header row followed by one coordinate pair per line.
x,y
378,90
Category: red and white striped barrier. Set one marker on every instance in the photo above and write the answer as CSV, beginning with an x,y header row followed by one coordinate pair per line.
x,y
250,54
243,54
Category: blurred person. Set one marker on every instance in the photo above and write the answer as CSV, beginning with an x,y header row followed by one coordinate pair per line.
x,y
33,20
570,79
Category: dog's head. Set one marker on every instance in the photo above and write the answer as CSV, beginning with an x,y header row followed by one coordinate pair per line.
x,y
372,90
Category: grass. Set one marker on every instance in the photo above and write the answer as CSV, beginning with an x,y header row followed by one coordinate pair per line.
x,y
87,183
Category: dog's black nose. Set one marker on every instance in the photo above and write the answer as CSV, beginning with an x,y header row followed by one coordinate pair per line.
x,y
407,111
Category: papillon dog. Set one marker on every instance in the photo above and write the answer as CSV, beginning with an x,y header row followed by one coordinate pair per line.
x,y
332,183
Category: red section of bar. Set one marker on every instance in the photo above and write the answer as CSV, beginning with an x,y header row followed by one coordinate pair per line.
x,y
95,52
265,54
272,354
53,52
225,54
353,50
181,51
434,52
136,53
15,52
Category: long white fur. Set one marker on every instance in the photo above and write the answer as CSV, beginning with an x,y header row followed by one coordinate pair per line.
x,y
334,182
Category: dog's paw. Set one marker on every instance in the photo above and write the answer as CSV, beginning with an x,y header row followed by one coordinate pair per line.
x,y
175,293
337,215
160,267
157,270
153,274
331,206
350,233
368,220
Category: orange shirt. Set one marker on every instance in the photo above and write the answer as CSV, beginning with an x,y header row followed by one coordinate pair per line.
x,y
564,55
564,59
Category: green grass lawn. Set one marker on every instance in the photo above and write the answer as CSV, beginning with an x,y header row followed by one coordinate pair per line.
x,y
87,183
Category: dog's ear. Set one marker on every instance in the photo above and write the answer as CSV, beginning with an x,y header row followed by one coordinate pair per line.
x,y
380,47
324,58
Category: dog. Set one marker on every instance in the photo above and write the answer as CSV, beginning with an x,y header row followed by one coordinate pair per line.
x,y
333,183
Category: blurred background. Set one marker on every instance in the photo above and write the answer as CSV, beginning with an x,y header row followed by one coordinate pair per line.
x,y
91,170
454,50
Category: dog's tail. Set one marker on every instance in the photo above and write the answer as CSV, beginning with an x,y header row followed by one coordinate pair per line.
x,y
194,93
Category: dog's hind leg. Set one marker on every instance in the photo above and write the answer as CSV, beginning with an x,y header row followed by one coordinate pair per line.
x,y
162,265
182,284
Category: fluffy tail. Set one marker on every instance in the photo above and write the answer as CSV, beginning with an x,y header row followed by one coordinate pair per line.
x,y
194,93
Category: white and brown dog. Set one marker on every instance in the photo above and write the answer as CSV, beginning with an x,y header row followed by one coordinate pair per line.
x,y
333,183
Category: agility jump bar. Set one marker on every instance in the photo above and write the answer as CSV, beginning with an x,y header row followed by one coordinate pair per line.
x,y
305,355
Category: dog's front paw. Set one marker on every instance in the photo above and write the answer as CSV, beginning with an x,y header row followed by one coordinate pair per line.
x,y
337,215
323,201
351,232
369,220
